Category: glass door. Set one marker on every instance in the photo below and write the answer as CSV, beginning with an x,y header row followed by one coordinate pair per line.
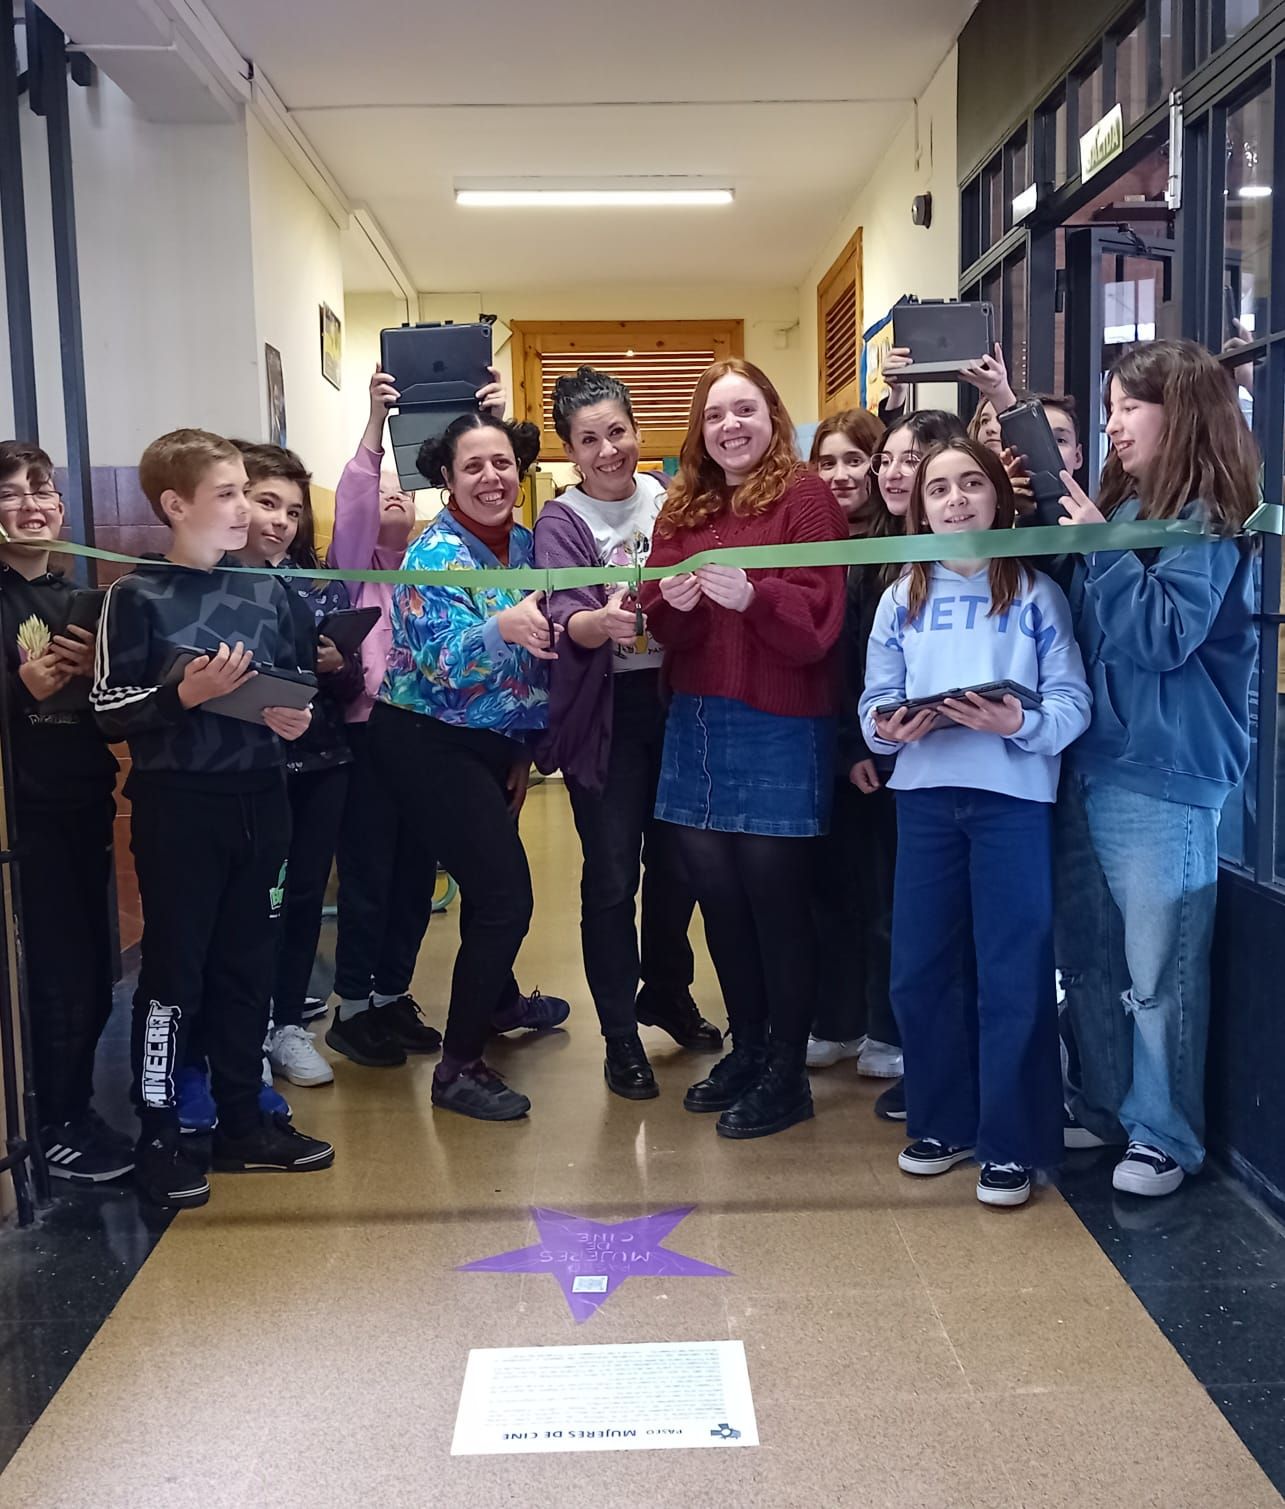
x,y
1120,293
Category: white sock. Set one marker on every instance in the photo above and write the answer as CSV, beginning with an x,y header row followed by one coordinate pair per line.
x,y
350,1009
380,1000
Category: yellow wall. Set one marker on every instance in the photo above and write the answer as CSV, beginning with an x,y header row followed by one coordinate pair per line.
x,y
898,257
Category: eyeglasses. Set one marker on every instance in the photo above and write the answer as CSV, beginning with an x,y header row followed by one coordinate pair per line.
x,y
47,498
884,462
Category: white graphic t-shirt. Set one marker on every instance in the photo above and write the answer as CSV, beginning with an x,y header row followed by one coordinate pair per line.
x,y
622,533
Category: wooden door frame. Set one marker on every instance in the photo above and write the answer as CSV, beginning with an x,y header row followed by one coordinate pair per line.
x,y
850,258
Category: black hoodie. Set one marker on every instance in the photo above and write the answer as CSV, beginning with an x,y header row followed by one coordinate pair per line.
x,y
161,607
60,758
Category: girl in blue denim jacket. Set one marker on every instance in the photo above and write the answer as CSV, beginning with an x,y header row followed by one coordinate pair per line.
x,y
1169,645
450,736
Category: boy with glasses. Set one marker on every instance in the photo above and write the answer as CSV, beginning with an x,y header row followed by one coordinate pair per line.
x,y
64,809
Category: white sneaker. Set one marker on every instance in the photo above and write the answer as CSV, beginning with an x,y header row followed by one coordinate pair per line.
x,y
879,1061
1145,1170
293,1057
1075,1136
823,1054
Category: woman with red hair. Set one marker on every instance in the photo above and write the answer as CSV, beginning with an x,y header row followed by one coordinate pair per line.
x,y
747,769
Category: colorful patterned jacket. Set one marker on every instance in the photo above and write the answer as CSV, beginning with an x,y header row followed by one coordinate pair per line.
x,y
448,660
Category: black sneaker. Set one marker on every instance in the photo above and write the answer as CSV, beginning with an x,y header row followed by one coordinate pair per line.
x,y
730,1077
536,1012
87,1151
891,1105
928,1156
165,1176
679,1016
478,1091
1003,1184
780,1099
274,1145
403,1023
363,1039
627,1071
313,1007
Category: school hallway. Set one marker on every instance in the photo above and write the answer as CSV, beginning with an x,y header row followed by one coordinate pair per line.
x,y
303,1341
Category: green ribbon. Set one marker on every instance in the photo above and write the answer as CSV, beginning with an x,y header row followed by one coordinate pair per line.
x,y
978,545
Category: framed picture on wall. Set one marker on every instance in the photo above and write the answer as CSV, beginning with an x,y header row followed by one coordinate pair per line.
x,y
276,396
331,345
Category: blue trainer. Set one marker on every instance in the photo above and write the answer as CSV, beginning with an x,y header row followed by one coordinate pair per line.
x,y
197,1114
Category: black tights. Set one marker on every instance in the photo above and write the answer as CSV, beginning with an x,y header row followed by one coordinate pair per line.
x,y
756,900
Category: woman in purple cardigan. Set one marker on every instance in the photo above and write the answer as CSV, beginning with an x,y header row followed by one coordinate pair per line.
x,y
606,730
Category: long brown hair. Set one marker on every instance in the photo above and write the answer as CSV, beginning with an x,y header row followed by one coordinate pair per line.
x,y
930,427
1007,577
700,491
1206,451
859,427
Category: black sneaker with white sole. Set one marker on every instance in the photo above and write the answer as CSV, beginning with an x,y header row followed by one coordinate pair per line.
x,y
87,1151
314,1007
479,1092
364,1039
1145,1170
928,1156
167,1177
1003,1184
891,1105
403,1023
274,1146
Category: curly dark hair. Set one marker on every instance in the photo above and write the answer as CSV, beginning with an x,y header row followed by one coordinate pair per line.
x,y
437,457
584,388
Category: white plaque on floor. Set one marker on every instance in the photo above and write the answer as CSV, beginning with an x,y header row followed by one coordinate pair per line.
x,y
613,1398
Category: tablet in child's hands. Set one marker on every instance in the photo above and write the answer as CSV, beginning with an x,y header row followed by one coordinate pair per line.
x,y
270,686
992,691
348,627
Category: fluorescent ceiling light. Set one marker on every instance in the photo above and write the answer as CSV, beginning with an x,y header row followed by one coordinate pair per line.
x,y
587,194
1255,191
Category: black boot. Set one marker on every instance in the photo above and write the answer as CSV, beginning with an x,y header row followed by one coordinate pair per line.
x,y
627,1071
732,1076
782,1097
678,1015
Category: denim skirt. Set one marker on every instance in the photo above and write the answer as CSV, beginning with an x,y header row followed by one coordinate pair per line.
x,y
730,767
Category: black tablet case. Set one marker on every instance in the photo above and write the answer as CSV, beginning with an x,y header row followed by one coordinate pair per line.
x,y
272,687
942,336
437,369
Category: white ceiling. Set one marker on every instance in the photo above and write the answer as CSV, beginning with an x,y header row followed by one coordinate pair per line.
x,y
792,104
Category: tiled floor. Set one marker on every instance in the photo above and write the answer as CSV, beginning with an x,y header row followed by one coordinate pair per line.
x,y
302,1341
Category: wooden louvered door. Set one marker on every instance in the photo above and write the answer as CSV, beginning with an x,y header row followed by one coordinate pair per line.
x,y
660,361
839,302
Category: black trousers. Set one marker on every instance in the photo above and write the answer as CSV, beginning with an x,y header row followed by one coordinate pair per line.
x,y
211,879
450,785
64,876
852,903
386,878
755,895
617,829
316,812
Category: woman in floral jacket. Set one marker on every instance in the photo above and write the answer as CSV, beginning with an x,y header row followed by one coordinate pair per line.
x,y
466,692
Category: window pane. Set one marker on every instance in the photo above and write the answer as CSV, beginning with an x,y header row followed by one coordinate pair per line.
x,y
1015,320
1248,232
1236,832
1238,15
970,228
1091,109
992,203
1061,161
1170,63
1131,74
1019,172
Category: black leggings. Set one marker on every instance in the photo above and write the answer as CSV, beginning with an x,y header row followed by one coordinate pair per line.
x,y
755,894
449,785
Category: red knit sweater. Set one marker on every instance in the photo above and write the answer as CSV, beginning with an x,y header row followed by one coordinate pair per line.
x,y
779,655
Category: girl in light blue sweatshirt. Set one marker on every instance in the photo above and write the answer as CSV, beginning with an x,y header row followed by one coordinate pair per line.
x,y
975,780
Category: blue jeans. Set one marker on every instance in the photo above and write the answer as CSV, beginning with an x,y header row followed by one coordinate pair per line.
x,y
972,973
1137,880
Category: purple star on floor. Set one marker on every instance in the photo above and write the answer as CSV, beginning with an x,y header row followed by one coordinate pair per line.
x,y
591,1259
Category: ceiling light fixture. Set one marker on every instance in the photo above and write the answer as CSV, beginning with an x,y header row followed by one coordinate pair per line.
x,y
620,193
1255,191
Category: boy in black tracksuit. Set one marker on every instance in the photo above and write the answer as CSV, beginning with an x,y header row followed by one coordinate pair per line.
x,y
211,823
64,808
